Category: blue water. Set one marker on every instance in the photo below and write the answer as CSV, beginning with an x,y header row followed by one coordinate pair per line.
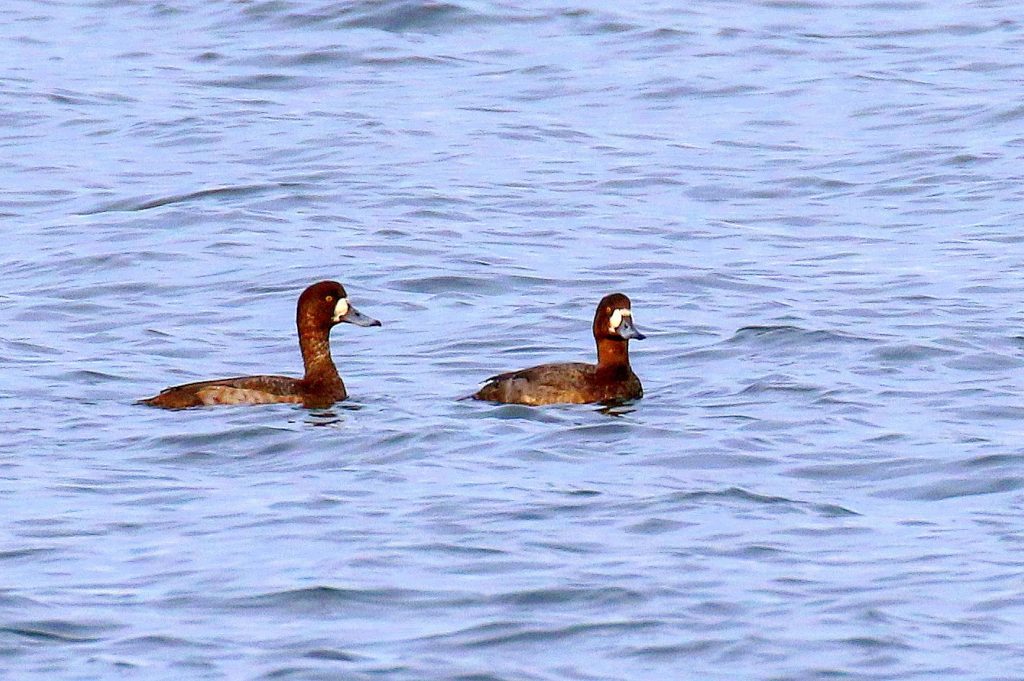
x,y
815,208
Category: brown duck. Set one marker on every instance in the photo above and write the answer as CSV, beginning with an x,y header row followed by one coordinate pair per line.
x,y
610,380
320,308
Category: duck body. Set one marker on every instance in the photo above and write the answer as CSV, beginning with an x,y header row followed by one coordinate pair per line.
x,y
610,380
564,383
245,390
321,306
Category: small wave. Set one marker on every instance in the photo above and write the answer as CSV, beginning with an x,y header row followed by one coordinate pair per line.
x,y
83,99
954,489
219,436
448,284
332,654
986,361
501,633
676,651
1011,413
328,597
740,494
131,205
60,630
778,384
579,597
784,335
518,412
463,550
18,554
393,16
683,91
266,81
907,353
990,460
162,641
404,17
714,282
652,526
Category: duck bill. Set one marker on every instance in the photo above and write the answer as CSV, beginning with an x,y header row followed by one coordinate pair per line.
x,y
627,331
350,315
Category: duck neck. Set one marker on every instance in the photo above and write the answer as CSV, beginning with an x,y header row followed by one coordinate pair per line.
x,y
315,344
612,354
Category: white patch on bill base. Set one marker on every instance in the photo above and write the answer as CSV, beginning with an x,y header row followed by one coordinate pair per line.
x,y
616,318
341,309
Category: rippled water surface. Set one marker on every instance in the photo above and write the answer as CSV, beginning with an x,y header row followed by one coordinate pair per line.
x,y
815,207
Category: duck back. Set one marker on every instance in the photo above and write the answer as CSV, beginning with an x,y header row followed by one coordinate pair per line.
x,y
240,390
563,383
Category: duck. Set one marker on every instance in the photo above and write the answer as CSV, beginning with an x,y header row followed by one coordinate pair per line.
x,y
321,307
610,380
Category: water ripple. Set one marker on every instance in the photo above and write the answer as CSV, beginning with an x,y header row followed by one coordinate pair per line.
x,y
813,207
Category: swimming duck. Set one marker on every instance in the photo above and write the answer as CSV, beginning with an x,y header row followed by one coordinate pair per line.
x,y
610,380
321,306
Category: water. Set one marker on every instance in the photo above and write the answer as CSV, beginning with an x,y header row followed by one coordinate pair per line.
x,y
815,208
